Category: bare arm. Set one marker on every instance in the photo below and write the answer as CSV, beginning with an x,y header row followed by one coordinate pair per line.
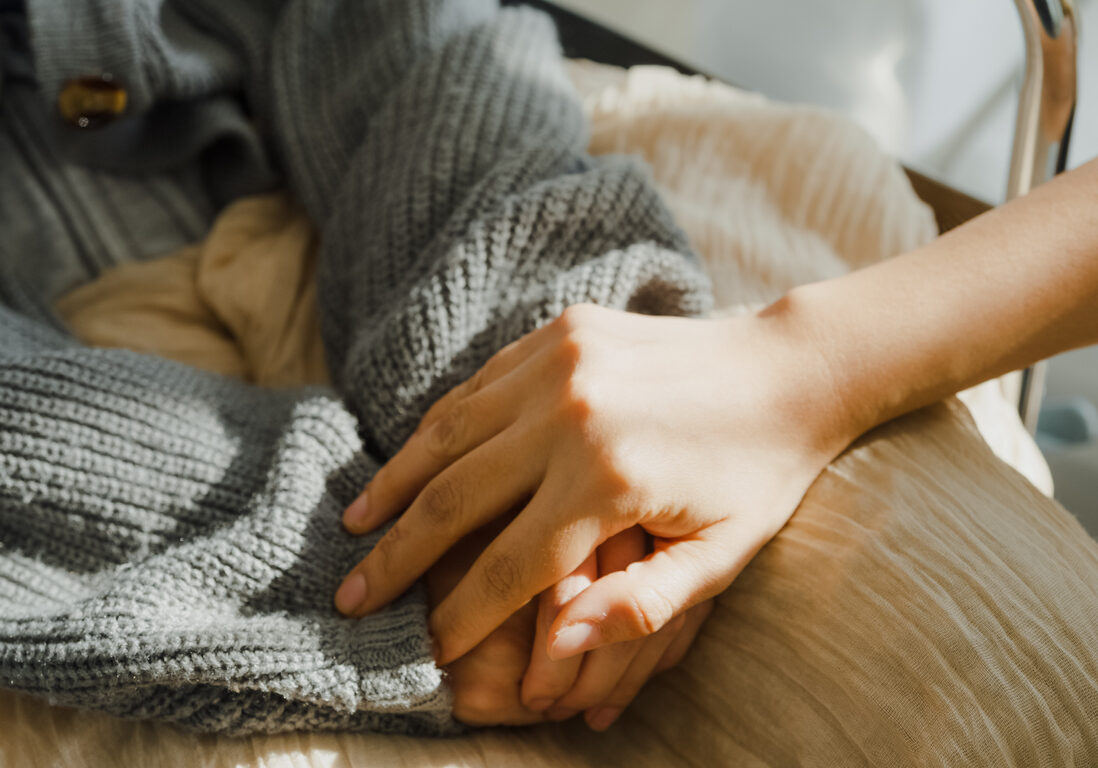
x,y
707,433
1011,287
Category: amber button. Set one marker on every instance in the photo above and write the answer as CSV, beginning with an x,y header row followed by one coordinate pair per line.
x,y
88,102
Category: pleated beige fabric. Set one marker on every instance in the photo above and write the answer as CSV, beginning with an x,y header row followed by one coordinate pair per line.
x,y
926,605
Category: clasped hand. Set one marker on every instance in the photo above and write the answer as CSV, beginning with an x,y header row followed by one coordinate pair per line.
x,y
620,468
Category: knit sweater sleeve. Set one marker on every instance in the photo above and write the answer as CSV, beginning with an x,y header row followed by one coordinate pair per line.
x,y
169,545
169,540
444,161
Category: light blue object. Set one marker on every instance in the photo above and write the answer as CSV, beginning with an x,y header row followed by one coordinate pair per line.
x,y
1068,422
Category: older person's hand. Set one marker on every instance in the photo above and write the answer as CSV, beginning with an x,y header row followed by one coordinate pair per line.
x,y
508,680
698,431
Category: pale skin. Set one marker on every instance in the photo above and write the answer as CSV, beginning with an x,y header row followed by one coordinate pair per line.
x,y
587,438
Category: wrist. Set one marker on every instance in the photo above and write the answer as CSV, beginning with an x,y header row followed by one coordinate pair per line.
x,y
822,396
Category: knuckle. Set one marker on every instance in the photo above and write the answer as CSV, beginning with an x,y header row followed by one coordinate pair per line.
x,y
585,407
650,610
384,550
569,353
393,535
576,345
577,401
576,316
446,437
610,465
501,577
440,501
429,418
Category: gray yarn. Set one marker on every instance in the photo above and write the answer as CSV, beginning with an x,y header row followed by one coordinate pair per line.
x,y
170,539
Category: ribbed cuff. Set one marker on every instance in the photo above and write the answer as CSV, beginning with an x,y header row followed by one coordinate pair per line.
x,y
171,542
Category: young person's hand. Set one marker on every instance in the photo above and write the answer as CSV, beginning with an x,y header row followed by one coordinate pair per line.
x,y
697,431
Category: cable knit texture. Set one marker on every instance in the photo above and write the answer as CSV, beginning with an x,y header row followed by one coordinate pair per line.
x,y
170,539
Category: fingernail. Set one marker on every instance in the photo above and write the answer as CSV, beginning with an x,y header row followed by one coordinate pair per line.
x,y
573,639
539,705
601,719
351,593
354,517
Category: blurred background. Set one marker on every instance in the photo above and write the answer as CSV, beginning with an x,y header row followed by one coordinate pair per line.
x,y
936,82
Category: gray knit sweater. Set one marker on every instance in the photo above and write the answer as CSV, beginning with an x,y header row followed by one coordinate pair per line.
x,y
170,540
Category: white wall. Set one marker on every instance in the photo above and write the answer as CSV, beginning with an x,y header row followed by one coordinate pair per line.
x,y
935,81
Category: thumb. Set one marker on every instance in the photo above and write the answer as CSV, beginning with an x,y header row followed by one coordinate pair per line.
x,y
638,601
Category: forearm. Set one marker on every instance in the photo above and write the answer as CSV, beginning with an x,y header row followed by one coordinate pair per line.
x,y
1011,287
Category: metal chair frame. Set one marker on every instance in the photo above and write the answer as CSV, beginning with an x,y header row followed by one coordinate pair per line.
x,y
1046,110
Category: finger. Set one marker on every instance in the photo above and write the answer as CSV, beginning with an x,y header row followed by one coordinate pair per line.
x,y
601,670
515,354
481,486
541,546
498,365
602,713
485,682
447,572
546,680
638,601
693,621
507,359
465,426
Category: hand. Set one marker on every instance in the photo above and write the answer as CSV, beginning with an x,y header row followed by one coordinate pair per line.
x,y
706,433
487,681
603,682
